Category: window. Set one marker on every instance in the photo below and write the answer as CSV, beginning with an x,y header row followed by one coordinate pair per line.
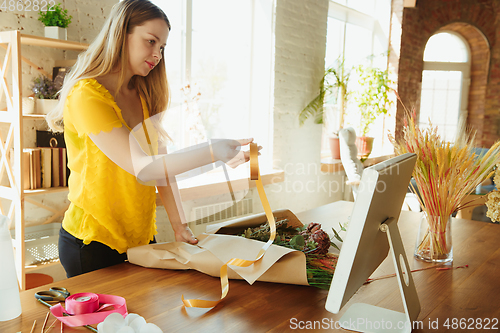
x,y
219,67
445,84
357,30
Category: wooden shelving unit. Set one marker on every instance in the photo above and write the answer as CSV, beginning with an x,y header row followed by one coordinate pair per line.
x,y
11,91
34,116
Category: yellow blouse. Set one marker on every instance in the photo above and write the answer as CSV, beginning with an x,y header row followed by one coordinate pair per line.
x,y
108,204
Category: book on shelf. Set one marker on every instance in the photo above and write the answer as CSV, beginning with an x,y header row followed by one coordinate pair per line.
x,y
46,161
63,175
55,167
44,167
26,168
55,141
36,173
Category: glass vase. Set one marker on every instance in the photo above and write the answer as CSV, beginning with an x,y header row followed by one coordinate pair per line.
x,y
434,239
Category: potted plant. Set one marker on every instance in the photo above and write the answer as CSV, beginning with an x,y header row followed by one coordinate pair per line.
x,y
332,93
373,100
45,94
56,20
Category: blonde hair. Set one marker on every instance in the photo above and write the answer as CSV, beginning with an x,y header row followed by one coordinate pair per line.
x,y
108,52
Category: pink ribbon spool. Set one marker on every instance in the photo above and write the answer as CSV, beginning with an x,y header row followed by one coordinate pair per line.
x,y
82,303
88,308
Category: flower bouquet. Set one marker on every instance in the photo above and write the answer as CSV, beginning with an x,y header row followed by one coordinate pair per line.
x,y
445,174
313,241
298,256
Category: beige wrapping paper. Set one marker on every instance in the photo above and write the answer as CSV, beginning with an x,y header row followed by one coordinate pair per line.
x,y
218,246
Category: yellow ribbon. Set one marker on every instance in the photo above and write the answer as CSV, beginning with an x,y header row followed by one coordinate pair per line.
x,y
224,280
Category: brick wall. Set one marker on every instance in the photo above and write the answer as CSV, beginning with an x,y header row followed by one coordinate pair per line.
x,y
479,23
88,18
480,60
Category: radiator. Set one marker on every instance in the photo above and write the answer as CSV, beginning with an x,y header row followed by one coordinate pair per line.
x,y
221,211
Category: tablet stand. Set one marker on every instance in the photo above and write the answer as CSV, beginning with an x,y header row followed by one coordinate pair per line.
x,y
367,318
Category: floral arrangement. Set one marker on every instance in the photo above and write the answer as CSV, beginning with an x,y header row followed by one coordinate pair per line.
x,y
55,17
445,174
310,239
44,88
493,202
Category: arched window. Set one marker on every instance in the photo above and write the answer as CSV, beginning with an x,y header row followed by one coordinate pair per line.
x,y
445,84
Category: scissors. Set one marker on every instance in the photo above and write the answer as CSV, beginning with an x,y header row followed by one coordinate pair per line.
x,y
55,294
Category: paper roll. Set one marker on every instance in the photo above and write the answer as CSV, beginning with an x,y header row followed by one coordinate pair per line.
x,y
10,302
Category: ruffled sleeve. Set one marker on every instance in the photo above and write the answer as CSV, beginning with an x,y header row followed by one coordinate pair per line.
x,y
90,108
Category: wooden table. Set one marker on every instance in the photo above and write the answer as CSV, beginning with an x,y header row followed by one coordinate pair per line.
x,y
464,293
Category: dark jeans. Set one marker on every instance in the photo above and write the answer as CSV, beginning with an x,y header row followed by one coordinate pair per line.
x,y
78,258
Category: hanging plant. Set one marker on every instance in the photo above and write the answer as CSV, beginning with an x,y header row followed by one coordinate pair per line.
x,y
332,88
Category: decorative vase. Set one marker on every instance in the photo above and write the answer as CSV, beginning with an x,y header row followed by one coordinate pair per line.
x,y
28,104
56,32
434,239
365,146
43,106
335,148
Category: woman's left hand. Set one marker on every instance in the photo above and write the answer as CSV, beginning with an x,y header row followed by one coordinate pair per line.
x,y
231,152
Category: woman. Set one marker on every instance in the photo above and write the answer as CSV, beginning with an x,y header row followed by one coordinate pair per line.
x,y
117,86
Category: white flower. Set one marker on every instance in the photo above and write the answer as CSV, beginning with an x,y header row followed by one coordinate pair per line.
x,y
493,205
133,323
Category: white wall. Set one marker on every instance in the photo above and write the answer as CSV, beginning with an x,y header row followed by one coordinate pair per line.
x,y
300,44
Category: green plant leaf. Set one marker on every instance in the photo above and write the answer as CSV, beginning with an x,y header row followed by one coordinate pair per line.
x,y
333,78
313,109
334,245
297,241
336,235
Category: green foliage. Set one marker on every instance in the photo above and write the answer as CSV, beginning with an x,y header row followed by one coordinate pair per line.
x,y
57,17
285,236
263,232
297,242
337,236
373,98
333,84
